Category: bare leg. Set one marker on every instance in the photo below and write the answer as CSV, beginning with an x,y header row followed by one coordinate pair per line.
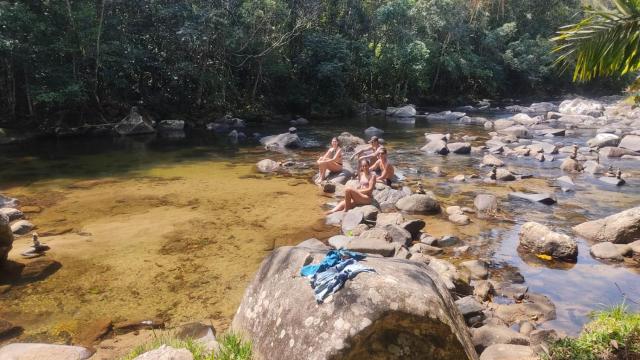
x,y
340,206
323,170
358,198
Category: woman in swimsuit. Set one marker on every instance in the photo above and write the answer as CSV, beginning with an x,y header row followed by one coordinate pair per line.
x,y
363,195
331,160
382,164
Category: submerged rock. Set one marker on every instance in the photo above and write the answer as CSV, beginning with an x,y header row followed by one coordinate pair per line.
x,y
540,240
367,318
22,227
610,251
267,166
620,228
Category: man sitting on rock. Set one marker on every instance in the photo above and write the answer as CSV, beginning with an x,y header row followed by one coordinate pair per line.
x,y
383,167
370,152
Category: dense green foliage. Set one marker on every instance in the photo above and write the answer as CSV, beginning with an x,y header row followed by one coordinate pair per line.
x,y
611,334
70,57
232,347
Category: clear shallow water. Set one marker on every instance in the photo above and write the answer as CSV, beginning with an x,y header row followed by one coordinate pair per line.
x,y
576,289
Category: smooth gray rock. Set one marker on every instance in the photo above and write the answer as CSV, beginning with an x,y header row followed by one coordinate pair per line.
x,y
459,219
602,140
165,352
508,352
351,219
491,160
570,165
26,351
469,306
398,234
615,152
349,142
610,251
447,240
419,203
387,198
566,183
631,142
22,227
267,166
367,318
581,107
547,199
437,147
314,243
281,141
488,335
478,269
539,239
612,180
550,132
421,248
518,131
620,228
11,213
459,148
404,111
592,167
373,131
503,124
369,212
384,219
339,241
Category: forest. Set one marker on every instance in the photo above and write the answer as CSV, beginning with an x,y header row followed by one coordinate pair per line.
x,y
85,61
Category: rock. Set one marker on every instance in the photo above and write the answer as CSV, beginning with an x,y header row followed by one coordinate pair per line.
x,y
459,148
31,209
550,132
518,131
421,248
38,269
366,318
413,227
349,142
635,246
134,124
485,204
547,199
12,214
483,290
35,351
581,107
94,331
602,140
267,166
630,142
300,121
335,218
9,330
351,219
314,243
620,228
612,180
445,116
428,239
543,107
540,240
373,131
166,352
6,239
171,125
566,184
615,152
539,309
447,240
610,251
508,352
491,160
448,273
370,245
542,339
419,203
502,124
339,241
488,335
503,175
398,234
384,219
570,165
592,167
437,147
22,227
281,141
404,111
488,125
201,333
459,219
478,269
387,198
7,202
469,307
526,327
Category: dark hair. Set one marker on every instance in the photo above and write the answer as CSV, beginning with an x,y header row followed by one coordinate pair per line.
x,y
336,139
383,150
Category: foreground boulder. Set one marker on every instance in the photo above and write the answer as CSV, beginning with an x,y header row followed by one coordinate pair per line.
x,y
620,228
539,239
402,310
6,239
43,351
134,124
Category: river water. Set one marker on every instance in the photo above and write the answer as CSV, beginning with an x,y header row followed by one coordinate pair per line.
x,y
174,228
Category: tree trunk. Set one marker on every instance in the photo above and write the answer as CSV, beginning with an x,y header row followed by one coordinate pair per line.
x,y
96,83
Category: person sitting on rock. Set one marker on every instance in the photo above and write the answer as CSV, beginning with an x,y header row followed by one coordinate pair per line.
x,y
370,152
382,167
363,195
331,160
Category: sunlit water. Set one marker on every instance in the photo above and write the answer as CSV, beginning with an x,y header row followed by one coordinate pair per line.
x,y
193,220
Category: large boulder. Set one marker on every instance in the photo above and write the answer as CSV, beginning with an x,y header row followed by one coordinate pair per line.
x,y
134,124
437,147
414,318
602,140
631,142
349,142
27,351
373,131
518,131
615,152
6,239
419,203
404,111
620,228
485,204
540,240
459,148
278,142
388,197
581,107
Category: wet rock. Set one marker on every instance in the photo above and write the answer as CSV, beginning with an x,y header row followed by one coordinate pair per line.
x,y
339,241
445,116
281,141
384,219
12,214
448,240
398,234
267,166
413,227
419,203
459,219
547,148
367,318
22,227
458,178
485,204
404,111
547,199
134,124
610,251
93,332
631,142
488,335
39,269
620,228
349,142
518,131
570,165
138,324
459,148
491,160
581,107
428,239
6,239
478,269
503,175
508,352
44,351
539,239
436,137
469,307
437,147
373,131
166,352
615,152
566,183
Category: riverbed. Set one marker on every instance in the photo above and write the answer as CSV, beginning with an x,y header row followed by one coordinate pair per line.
x,y
151,227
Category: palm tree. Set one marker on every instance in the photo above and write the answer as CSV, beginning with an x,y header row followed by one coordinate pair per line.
x,y
605,43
